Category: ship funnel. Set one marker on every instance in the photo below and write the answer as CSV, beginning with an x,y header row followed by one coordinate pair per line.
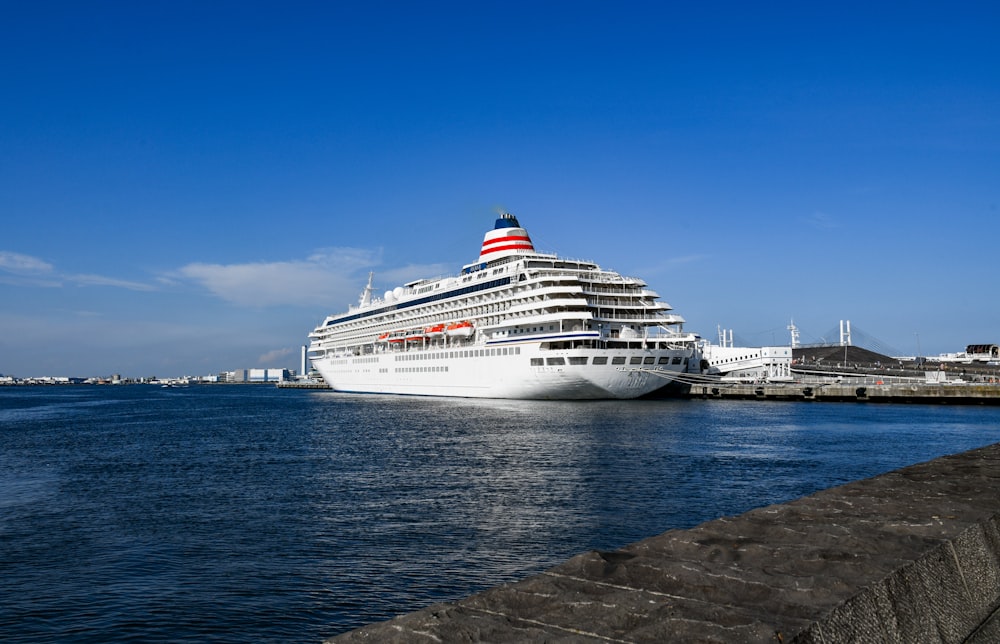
x,y
506,238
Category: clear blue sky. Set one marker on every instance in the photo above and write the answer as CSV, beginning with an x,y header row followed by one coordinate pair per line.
x,y
189,187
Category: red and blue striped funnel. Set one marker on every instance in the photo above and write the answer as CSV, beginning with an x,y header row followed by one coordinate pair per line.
x,y
506,238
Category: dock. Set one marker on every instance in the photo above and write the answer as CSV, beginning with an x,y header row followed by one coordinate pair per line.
x,y
874,390
908,556
855,374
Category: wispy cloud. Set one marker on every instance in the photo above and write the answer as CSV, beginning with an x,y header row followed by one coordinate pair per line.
x,y
24,270
327,277
325,274
23,264
101,280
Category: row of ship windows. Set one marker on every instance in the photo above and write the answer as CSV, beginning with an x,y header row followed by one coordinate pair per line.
x,y
552,362
541,362
535,362
737,359
466,353
534,329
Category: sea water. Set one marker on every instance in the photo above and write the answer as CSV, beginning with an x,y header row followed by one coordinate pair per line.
x,y
250,513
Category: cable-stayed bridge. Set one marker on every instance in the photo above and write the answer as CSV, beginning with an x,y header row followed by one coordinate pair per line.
x,y
845,334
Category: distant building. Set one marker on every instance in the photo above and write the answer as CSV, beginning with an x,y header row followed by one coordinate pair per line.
x,y
256,375
269,375
988,353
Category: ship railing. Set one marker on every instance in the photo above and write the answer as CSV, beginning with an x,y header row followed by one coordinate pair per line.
x,y
588,276
614,278
613,288
620,302
648,319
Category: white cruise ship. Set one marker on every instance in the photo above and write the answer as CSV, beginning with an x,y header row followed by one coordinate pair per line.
x,y
514,324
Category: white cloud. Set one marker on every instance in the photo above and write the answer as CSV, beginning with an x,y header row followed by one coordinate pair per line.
x,y
328,278
270,283
18,269
332,277
22,264
26,270
100,280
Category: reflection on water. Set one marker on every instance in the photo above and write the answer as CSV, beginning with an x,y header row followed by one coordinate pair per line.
x,y
498,489
236,513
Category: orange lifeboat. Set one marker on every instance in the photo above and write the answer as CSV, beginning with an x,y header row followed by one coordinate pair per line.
x,y
383,338
461,329
396,337
434,331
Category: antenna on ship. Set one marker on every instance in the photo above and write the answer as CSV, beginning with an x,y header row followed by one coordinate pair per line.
x,y
366,295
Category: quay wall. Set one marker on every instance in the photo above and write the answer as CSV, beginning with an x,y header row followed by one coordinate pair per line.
x,y
873,391
908,556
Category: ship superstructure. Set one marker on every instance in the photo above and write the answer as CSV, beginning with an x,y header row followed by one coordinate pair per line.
x,y
514,324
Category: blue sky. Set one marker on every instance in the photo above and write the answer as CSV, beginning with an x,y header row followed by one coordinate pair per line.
x,y
189,187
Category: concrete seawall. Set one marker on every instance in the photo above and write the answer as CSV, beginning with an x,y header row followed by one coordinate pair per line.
x,y
875,391
909,556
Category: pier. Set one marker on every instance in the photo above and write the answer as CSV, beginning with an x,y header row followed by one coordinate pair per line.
x,y
908,556
854,374
874,390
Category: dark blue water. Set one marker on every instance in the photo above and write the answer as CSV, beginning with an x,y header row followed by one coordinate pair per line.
x,y
249,513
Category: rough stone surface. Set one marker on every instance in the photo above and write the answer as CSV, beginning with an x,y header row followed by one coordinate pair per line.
x,y
912,555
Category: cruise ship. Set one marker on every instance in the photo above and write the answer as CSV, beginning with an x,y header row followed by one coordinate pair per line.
x,y
515,323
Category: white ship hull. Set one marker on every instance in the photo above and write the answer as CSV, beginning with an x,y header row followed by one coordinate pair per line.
x,y
514,324
489,373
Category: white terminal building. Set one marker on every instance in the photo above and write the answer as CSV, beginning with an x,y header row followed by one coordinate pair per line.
x,y
259,375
